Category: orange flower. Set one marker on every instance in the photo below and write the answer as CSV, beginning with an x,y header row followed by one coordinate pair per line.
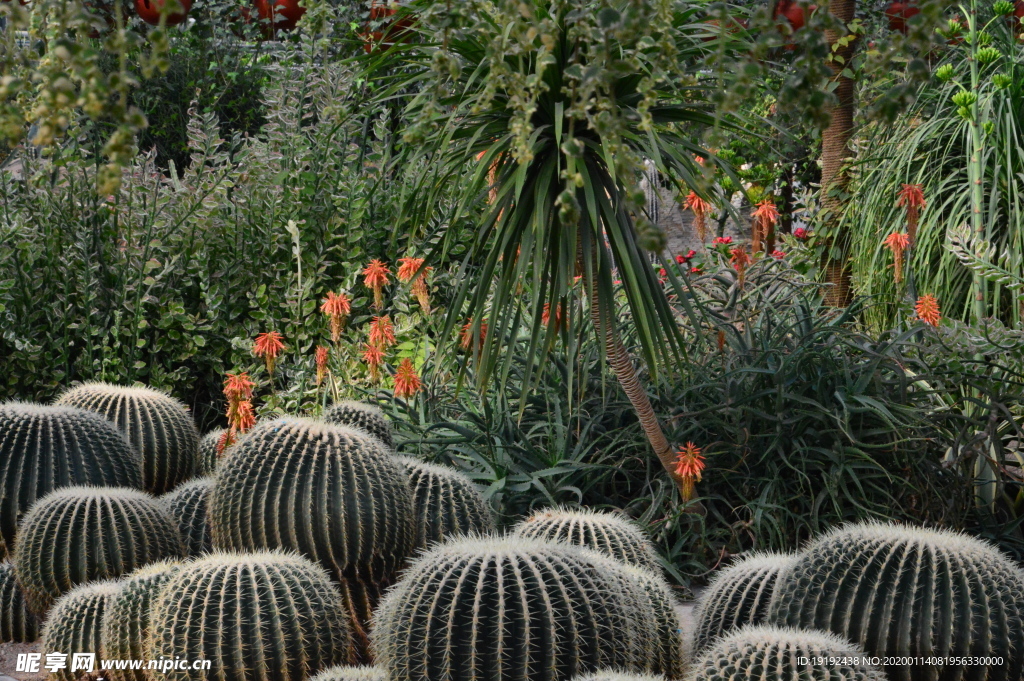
x,y
408,268
468,340
740,259
268,345
375,276
407,382
898,243
546,318
226,439
765,216
322,356
374,357
927,309
337,307
689,464
244,417
911,197
238,387
382,332
700,209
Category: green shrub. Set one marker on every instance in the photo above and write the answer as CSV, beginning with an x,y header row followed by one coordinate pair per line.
x,y
74,623
17,623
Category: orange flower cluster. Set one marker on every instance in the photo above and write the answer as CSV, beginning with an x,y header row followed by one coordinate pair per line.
x,y
374,357
740,260
467,337
689,464
382,332
911,197
337,307
558,319
411,269
322,355
375,277
927,309
241,416
700,209
898,243
407,382
268,346
765,216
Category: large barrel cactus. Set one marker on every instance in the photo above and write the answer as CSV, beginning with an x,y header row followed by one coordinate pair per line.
x,y
447,503
365,417
329,492
269,611
79,534
666,646
17,623
351,674
739,595
126,623
481,609
73,625
159,426
188,504
45,448
897,590
608,675
208,454
607,533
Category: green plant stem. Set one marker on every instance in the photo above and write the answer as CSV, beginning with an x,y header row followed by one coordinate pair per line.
x,y
974,162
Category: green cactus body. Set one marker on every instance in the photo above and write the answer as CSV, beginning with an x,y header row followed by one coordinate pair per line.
x,y
898,590
188,504
159,426
363,416
667,646
351,674
510,608
757,653
738,596
80,534
268,615
17,623
45,448
611,675
74,623
607,533
447,503
207,455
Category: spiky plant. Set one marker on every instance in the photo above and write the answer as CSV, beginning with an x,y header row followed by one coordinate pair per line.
x,y
188,504
899,590
207,455
159,426
666,646
608,533
612,675
447,503
270,611
80,534
351,674
17,623
43,448
73,625
364,417
739,595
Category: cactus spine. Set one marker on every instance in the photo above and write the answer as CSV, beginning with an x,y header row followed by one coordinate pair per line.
x,y
188,504
362,416
17,624
73,625
897,590
351,674
44,448
666,644
79,534
607,533
611,675
159,426
207,454
269,613
446,503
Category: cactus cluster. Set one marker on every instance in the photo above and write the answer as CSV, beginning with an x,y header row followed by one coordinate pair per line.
x,y
207,454
74,623
898,590
188,504
45,448
80,534
351,674
446,503
607,533
159,426
17,623
268,613
365,417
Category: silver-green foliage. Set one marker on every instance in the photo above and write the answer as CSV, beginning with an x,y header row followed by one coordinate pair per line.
x,y
159,426
17,623
268,613
364,417
188,504
74,623
80,534
43,448
605,532
347,673
447,503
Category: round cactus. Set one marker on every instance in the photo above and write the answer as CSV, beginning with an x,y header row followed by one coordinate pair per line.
x,y
607,533
188,504
351,674
17,623
666,646
207,454
447,503
159,426
270,611
363,416
45,448
754,653
738,596
480,609
611,675
79,534
73,625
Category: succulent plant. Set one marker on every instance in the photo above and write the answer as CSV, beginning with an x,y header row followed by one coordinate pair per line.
x,y
44,448
897,590
477,609
760,652
612,675
188,504
607,533
739,595
351,674
207,454
666,644
73,625
79,534
275,612
364,417
17,623
446,501
158,426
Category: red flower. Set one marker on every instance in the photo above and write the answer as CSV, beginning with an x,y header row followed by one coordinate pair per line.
x,y
911,197
407,382
225,440
413,267
382,332
374,357
244,417
268,345
700,209
322,355
721,241
898,243
689,464
778,255
336,307
546,319
765,216
680,260
801,233
927,309
697,270
375,277
238,387
467,339
662,273
740,260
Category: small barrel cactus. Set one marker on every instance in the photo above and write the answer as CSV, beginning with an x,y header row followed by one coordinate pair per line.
x,y
897,590
207,455
611,675
126,623
607,533
44,448
446,501
665,648
188,504
79,534
270,611
363,416
159,426
17,623
351,674
755,653
739,595
481,609
74,623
